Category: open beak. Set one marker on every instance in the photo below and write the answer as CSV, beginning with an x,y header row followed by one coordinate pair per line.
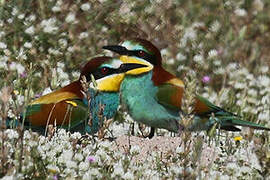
x,y
117,49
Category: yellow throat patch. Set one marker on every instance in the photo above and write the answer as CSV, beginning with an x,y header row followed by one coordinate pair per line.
x,y
109,83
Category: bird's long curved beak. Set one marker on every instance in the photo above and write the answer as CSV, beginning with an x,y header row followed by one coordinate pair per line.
x,y
125,67
117,49
135,66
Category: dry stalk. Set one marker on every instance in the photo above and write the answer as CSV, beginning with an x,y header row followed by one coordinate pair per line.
x,y
187,119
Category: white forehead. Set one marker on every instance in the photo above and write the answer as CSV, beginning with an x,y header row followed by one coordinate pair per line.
x,y
114,63
132,46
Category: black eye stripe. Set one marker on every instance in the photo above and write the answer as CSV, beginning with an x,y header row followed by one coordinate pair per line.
x,y
146,56
98,74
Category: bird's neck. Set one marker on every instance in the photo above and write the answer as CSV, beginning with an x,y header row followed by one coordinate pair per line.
x,y
160,75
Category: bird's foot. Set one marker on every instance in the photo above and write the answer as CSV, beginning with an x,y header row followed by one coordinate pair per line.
x,y
151,134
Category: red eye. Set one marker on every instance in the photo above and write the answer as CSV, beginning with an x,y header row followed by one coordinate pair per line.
x,y
141,53
104,70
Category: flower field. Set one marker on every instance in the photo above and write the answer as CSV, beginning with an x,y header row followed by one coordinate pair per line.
x,y
220,49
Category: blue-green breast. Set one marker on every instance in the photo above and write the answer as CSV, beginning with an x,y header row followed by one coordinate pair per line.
x,y
110,100
138,97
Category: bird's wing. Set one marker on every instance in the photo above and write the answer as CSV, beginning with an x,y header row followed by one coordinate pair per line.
x,y
69,114
54,97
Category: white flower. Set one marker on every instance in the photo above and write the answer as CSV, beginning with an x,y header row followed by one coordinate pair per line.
x,y
252,92
180,57
258,5
232,165
76,135
46,91
2,33
9,177
54,51
3,45
56,8
78,157
30,30
224,177
118,170
190,34
12,134
264,69
215,26
48,25
21,55
17,66
135,149
20,68
265,99
232,67
83,35
63,42
20,99
70,49
14,11
70,18
128,175
212,53
10,20
170,61
71,164
240,12
31,18
264,81
26,135
217,62
65,83
27,45
264,116
198,59
245,169
83,166
164,52
250,77
67,154
220,70
52,168
179,149
21,16
3,62
239,85
85,6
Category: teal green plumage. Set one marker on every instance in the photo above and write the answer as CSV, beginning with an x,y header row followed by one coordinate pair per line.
x,y
138,96
110,100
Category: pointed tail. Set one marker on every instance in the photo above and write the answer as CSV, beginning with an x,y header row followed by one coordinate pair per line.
x,y
225,119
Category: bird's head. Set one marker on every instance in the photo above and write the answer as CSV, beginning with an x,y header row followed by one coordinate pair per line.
x,y
108,72
138,48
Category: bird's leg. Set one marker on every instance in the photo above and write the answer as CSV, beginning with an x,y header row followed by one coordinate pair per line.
x,y
151,134
132,129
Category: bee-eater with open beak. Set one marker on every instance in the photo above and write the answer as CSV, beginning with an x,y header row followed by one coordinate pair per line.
x,y
68,107
154,96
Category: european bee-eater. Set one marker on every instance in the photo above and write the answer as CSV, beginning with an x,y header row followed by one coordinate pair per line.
x,y
154,96
68,107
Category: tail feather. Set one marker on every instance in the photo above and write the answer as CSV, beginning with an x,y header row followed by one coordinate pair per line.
x,y
231,121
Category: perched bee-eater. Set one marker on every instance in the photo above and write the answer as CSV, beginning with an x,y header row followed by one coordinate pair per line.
x,y
69,108
153,96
